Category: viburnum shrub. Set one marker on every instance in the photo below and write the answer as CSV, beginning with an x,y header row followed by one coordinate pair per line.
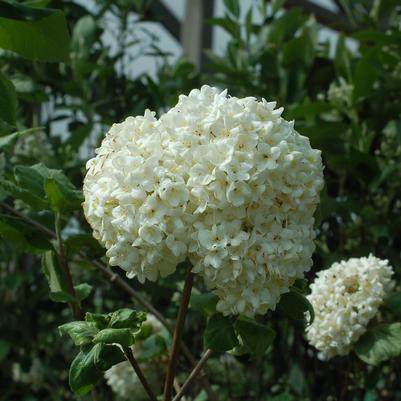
x,y
225,182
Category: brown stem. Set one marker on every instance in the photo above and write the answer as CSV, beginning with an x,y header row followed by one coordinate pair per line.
x,y
131,359
172,363
74,305
193,374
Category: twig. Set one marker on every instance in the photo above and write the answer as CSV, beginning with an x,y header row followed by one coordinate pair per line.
x,y
193,374
131,359
186,294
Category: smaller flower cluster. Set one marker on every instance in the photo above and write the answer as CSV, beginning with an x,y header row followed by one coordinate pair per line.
x,y
345,298
121,377
340,94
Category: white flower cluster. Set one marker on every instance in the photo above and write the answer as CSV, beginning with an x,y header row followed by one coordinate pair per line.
x,y
224,181
125,383
340,94
345,298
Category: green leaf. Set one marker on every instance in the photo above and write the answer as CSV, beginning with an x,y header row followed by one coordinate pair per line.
x,y
124,337
30,179
82,291
233,7
60,191
8,101
83,37
228,24
256,337
80,332
8,188
88,366
50,183
62,198
8,140
365,75
151,348
277,5
108,356
294,304
100,320
83,371
284,27
127,318
38,34
342,59
4,349
204,303
393,304
58,287
219,334
380,343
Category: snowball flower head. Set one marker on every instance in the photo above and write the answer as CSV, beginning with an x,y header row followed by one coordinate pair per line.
x,y
226,182
345,298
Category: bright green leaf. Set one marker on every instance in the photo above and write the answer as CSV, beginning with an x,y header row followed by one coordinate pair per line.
x,y
100,320
123,337
82,291
58,286
127,318
84,373
88,366
80,332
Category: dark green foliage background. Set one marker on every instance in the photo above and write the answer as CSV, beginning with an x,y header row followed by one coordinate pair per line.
x,y
281,58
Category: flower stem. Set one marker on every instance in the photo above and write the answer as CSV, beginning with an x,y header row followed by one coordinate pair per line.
x,y
131,359
168,385
193,374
